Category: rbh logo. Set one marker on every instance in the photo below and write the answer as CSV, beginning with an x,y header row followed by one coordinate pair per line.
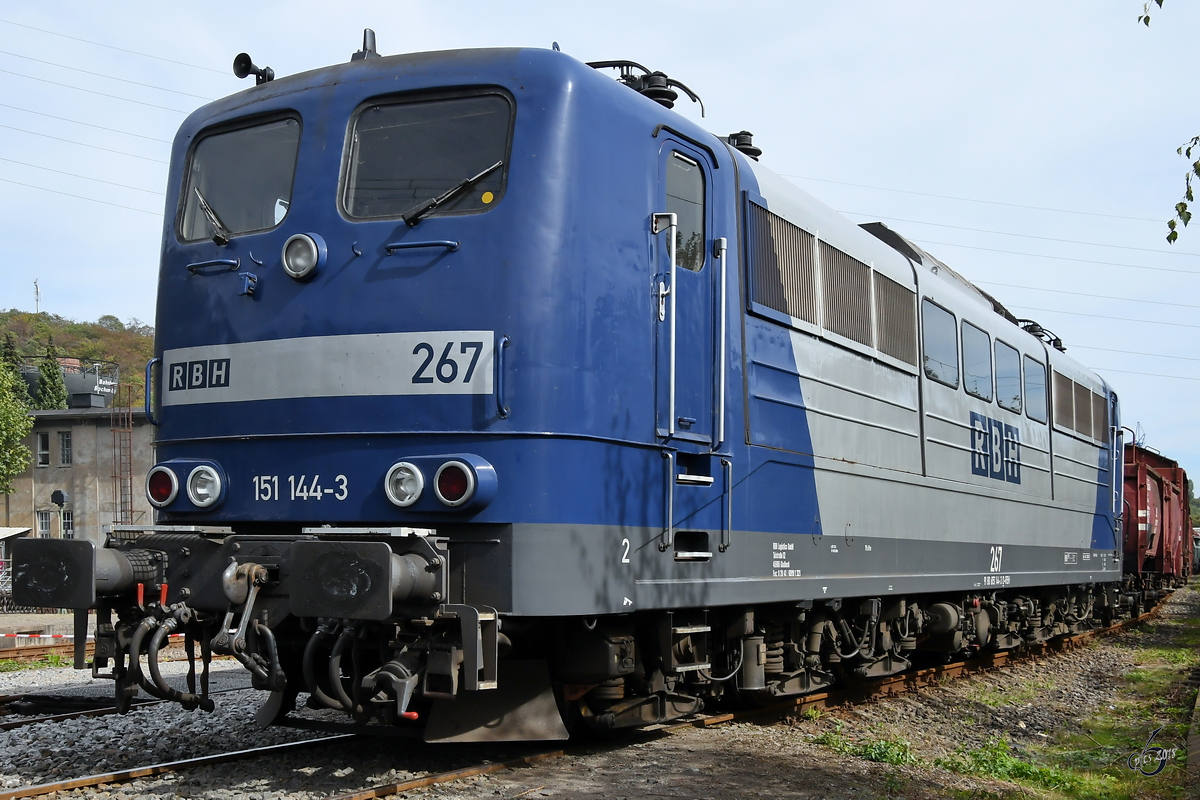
x,y
995,449
211,374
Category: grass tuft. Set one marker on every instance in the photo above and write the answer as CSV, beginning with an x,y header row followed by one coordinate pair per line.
x,y
884,751
48,660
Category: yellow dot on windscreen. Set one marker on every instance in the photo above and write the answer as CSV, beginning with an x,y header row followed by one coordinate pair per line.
x,y
488,197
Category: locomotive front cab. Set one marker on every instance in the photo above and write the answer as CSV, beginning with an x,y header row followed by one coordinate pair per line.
x,y
396,372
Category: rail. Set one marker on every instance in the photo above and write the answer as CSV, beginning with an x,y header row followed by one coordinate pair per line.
x,y
124,776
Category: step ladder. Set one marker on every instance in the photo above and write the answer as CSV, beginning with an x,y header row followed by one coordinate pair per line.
x,y
684,643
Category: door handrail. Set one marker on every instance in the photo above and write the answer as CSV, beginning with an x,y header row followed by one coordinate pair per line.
x,y
672,225
721,245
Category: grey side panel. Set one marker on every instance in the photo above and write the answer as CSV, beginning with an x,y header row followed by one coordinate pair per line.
x,y
580,570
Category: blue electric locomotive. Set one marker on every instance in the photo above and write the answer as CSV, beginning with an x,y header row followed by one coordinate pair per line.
x,y
494,398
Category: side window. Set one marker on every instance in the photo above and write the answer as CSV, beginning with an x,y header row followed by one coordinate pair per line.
x,y
1008,377
941,344
685,199
1035,390
977,361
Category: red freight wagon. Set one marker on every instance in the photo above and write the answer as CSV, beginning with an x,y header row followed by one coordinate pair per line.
x,y
1158,527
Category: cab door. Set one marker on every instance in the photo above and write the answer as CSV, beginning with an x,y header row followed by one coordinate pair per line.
x,y
684,281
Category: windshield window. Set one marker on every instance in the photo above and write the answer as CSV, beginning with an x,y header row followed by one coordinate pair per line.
x,y
403,154
245,177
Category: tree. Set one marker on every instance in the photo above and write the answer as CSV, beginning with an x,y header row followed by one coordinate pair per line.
x,y
130,348
15,425
1182,214
12,358
51,388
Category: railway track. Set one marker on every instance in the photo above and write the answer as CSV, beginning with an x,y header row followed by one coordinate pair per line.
x,y
32,652
26,653
87,706
893,685
124,776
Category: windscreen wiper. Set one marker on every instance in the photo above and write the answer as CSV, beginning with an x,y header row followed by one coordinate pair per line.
x,y
221,234
414,214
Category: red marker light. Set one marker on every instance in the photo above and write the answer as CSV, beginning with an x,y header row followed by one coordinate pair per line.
x,y
454,483
161,486
409,714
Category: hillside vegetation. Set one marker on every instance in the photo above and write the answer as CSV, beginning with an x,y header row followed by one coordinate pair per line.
x,y
130,344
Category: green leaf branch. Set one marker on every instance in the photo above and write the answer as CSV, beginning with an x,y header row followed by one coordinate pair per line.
x,y
1183,214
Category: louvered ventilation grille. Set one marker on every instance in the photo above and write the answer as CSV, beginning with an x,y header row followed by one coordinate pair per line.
x,y
782,255
846,287
1083,410
1064,401
896,314
1099,418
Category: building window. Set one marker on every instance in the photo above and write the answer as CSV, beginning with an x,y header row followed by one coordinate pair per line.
x,y
64,448
43,524
68,524
43,449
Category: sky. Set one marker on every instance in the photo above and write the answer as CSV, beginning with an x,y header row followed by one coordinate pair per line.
x,y
1030,145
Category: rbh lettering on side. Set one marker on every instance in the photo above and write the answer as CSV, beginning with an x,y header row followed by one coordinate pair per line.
x,y
210,374
995,449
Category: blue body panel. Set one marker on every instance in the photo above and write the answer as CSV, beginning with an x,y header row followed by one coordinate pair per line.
x,y
563,265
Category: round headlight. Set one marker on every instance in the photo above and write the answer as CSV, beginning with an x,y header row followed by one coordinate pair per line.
x,y
204,486
161,487
454,483
404,484
302,254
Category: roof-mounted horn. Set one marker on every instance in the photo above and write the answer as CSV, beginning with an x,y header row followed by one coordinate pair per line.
x,y
243,66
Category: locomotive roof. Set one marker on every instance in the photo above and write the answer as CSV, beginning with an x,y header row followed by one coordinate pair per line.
x,y
432,69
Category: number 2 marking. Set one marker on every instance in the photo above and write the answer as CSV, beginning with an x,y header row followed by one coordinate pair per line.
x,y
625,556
417,376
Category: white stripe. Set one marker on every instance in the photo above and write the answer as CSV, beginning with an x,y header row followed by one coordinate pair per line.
x,y
371,364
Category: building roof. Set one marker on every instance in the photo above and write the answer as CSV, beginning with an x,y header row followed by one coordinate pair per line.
x,y
82,414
